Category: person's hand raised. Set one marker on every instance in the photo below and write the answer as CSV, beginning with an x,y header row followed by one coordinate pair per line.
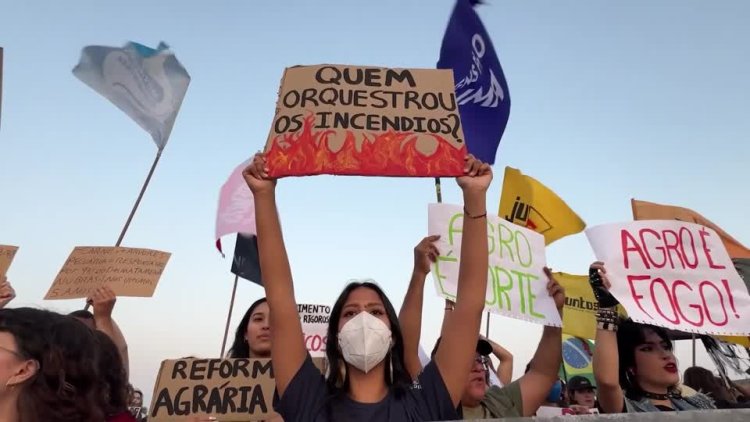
x,y
477,175
425,253
7,293
256,176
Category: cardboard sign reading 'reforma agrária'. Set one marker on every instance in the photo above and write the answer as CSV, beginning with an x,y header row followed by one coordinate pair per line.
x,y
673,274
127,271
236,389
516,284
7,253
233,390
370,121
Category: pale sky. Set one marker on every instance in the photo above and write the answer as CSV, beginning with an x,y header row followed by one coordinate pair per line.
x,y
611,100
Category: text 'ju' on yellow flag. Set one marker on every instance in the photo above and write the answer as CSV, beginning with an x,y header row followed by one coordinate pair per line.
x,y
526,202
643,210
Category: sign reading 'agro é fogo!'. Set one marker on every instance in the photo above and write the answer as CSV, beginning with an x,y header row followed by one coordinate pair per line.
x,y
673,274
373,121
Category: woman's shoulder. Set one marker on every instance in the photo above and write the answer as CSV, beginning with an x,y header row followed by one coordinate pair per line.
x,y
700,401
429,396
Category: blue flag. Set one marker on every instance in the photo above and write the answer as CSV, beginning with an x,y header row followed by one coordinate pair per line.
x,y
481,91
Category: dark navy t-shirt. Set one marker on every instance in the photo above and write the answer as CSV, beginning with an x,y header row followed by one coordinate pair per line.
x,y
306,399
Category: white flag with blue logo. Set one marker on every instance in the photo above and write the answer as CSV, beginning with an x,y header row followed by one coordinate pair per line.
x,y
147,84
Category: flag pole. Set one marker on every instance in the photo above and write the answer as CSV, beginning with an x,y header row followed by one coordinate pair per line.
x,y
438,191
140,196
135,207
229,316
693,349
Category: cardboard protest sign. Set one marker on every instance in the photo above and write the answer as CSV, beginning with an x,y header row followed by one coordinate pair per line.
x,y
516,286
7,253
370,121
673,274
127,271
314,320
236,389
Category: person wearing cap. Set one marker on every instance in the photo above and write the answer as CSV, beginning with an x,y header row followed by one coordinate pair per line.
x,y
581,392
480,400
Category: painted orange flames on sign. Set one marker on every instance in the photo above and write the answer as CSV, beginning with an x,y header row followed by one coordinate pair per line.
x,y
307,152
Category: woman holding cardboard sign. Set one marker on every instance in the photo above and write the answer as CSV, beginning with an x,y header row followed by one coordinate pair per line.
x,y
634,364
368,380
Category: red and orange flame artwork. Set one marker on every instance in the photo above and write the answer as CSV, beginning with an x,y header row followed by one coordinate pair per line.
x,y
307,152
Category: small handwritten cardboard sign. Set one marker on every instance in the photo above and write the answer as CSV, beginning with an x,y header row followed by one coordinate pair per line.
x,y
127,271
6,257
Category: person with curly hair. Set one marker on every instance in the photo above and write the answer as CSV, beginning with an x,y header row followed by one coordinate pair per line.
x,y
48,368
114,381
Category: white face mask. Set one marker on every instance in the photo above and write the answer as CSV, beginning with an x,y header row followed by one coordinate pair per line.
x,y
364,341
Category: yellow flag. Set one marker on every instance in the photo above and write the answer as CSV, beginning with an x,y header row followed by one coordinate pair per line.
x,y
579,312
742,341
643,210
528,203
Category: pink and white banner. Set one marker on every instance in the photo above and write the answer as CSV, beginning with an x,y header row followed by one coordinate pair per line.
x,y
673,274
236,213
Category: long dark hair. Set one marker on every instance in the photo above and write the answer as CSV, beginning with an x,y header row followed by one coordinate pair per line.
x,y
84,316
396,375
112,375
66,385
241,347
630,335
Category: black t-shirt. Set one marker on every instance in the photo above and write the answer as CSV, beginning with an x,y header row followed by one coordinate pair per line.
x,y
306,399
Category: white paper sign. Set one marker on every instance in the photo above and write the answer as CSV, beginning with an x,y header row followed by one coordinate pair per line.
x,y
314,320
516,283
673,274
549,411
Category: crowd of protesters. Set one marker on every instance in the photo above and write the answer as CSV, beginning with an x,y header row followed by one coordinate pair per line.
x,y
75,367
